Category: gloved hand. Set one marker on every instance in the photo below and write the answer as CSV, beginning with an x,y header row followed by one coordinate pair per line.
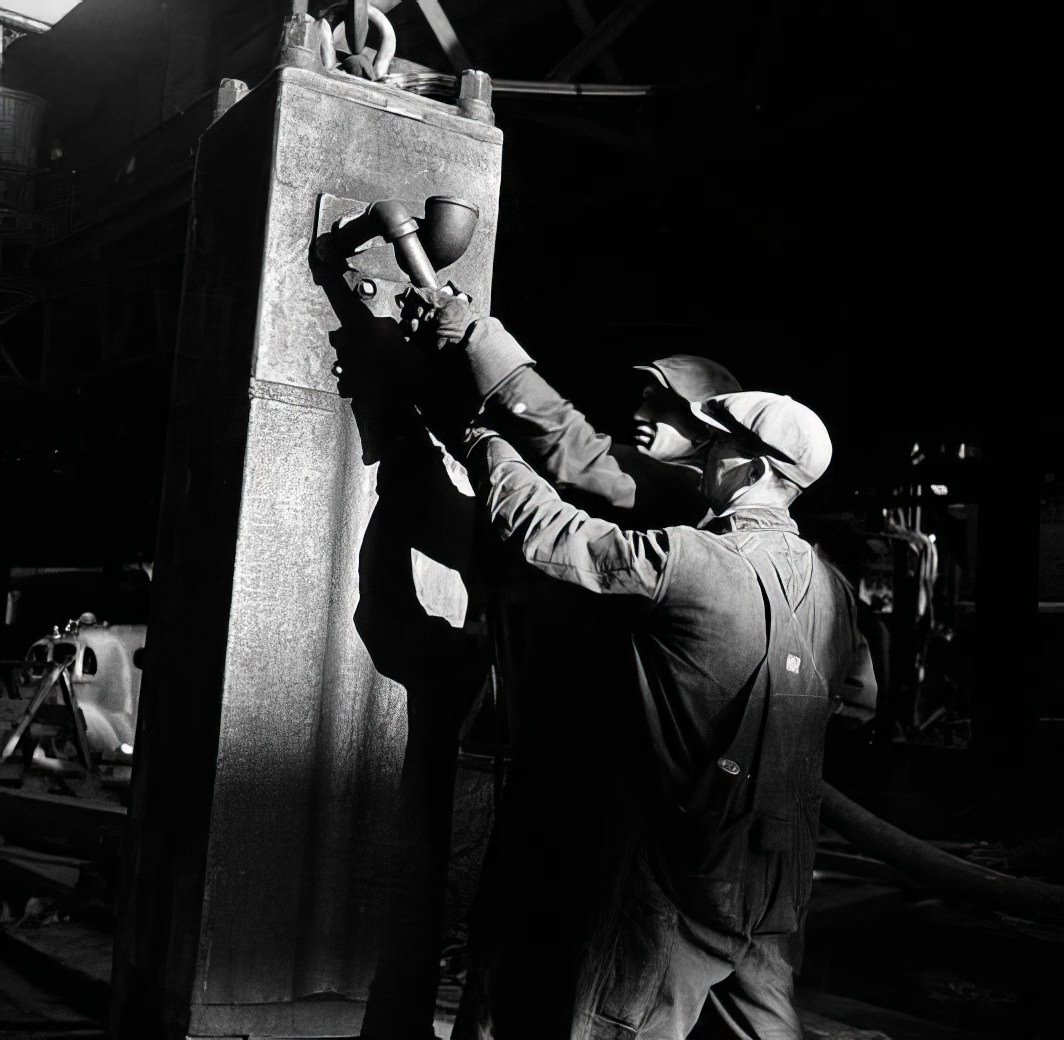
x,y
446,311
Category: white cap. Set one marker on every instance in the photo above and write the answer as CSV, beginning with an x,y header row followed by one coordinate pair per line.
x,y
796,439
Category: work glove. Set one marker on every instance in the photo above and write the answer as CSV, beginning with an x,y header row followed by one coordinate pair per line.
x,y
433,320
445,318
445,312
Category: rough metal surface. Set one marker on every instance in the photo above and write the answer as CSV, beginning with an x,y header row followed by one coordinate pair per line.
x,y
398,146
307,664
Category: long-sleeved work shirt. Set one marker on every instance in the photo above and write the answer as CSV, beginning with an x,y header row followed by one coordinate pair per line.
x,y
700,632
700,635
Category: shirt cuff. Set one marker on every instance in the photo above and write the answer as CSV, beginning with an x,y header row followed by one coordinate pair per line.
x,y
494,355
486,450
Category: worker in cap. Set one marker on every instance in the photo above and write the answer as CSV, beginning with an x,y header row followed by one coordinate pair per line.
x,y
786,439
653,480
569,808
664,428
742,643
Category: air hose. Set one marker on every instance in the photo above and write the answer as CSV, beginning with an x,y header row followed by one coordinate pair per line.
x,y
940,871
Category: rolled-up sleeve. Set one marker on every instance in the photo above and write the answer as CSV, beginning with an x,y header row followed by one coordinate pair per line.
x,y
560,539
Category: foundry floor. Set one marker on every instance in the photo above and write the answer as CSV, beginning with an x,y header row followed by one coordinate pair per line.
x,y
36,1004
885,958
883,965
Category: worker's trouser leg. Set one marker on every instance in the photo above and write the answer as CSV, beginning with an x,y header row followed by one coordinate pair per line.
x,y
662,969
756,1000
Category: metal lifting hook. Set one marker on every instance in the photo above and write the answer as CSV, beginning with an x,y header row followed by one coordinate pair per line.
x,y
350,36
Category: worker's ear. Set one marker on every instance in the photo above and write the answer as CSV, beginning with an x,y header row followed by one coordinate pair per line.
x,y
758,468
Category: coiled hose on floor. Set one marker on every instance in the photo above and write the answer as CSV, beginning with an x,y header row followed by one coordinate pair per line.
x,y
940,871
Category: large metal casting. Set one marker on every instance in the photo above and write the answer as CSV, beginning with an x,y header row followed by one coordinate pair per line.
x,y
314,634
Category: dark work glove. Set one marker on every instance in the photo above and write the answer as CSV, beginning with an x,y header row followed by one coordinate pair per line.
x,y
434,320
444,313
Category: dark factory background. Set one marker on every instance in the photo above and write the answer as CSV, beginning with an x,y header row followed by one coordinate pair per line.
x,y
824,197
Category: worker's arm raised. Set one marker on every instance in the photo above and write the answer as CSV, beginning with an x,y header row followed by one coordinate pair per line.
x,y
558,538
553,435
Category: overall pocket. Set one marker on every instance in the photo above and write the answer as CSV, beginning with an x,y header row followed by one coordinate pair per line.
x,y
781,867
770,875
704,864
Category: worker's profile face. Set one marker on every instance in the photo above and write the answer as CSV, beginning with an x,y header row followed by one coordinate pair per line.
x,y
664,426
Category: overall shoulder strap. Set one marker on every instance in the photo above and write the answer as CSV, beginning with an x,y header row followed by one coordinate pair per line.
x,y
731,769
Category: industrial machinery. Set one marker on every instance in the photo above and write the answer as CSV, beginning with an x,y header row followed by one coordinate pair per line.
x,y
313,644
72,703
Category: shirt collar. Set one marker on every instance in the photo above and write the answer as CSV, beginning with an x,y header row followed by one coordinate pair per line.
x,y
751,518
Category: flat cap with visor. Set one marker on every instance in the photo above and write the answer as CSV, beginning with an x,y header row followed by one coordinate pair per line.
x,y
791,435
691,376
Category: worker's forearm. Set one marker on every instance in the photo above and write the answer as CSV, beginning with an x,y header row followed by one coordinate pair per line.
x,y
548,431
557,440
494,355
